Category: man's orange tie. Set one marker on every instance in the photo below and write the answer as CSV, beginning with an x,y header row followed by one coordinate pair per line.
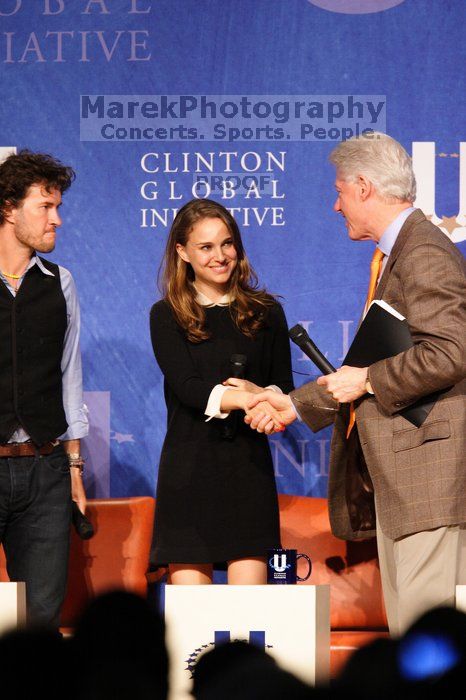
x,y
376,264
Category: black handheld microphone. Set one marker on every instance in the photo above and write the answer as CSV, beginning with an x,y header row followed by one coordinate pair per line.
x,y
299,336
238,366
82,525
238,371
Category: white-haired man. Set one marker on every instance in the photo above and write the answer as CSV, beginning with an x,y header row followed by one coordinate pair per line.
x,y
405,484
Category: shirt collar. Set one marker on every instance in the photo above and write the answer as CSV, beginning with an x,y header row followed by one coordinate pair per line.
x,y
204,300
389,236
35,260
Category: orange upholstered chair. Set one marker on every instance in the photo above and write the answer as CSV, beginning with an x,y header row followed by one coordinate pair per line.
x,y
351,568
116,557
3,573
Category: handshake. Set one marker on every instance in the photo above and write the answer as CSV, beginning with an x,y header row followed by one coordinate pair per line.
x,y
266,410
269,411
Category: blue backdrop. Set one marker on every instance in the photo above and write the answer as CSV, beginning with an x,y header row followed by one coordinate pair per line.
x,y
156,101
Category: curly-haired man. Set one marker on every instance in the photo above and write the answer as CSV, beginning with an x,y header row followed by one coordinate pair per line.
x,y
42,415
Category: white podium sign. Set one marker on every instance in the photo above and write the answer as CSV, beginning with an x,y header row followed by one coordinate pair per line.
x,y
292,623
461,598
12,605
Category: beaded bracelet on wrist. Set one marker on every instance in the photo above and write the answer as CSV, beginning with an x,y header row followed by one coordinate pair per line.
x,y
76,462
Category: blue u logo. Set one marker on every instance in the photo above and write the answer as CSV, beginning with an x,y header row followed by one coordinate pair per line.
x,y
278,563
256,637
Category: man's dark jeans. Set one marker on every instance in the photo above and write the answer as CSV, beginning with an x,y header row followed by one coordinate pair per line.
x,y
35,517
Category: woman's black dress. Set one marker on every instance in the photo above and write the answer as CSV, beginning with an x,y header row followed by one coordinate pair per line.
x,y
216,497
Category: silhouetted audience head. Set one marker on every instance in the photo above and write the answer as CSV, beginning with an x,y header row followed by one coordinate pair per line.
x,y
241,670
119,645
428,661
34,662
371,671
432,654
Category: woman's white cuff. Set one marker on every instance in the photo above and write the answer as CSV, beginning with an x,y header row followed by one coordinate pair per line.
x,y
213,409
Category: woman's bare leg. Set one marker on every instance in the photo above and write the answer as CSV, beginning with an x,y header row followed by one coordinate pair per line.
x,y
251,571
189,574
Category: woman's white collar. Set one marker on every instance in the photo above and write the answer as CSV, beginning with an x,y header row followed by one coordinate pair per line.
x,y
204,300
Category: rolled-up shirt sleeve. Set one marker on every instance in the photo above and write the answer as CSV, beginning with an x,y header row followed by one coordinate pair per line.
x,y
72,383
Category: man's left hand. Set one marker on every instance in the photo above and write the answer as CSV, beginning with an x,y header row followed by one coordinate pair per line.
x,y
346,384
77,489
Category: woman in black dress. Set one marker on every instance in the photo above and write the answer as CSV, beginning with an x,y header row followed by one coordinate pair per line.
x,y
216,494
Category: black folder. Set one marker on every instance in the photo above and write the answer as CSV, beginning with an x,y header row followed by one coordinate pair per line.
x,y
384,333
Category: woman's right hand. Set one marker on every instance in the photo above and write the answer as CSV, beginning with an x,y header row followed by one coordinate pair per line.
x,y
265,417
267,407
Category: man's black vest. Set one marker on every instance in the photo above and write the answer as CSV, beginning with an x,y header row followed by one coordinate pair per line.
x,y
33,326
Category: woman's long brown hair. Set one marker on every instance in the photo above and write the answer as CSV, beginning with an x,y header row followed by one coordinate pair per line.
x,y
176,277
